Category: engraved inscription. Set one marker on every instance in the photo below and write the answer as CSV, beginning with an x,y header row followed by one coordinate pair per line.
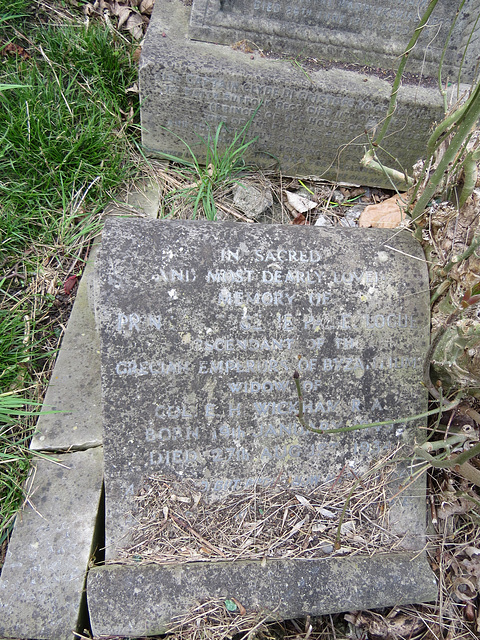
x,y
199,347
286,26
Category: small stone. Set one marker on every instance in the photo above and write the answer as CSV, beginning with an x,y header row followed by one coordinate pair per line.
x,y
252,200
323,221
326,548
338,197
354,212
347,222
305,193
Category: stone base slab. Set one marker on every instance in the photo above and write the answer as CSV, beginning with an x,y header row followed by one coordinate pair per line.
x,y
334,30
141,600
312,122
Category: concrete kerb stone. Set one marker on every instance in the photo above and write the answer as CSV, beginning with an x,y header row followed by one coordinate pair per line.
x,y
313,123
42,581
141,600
71,414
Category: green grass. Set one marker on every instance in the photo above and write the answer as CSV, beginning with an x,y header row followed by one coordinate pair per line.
x,y
222,164
67,126
14,456
61,149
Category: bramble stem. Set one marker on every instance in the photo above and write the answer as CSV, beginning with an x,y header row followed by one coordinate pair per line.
x,y
398,78
357,427
468,121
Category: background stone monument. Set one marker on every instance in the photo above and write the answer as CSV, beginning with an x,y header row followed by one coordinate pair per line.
x,y
202,328
372,33
312,113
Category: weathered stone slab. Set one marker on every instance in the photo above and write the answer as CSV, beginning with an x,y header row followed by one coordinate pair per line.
x,y
42,580
142,600
313,123
202,328
142,199
369,33
71,414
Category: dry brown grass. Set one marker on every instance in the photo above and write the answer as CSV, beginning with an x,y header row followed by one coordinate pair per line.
x,y
175,524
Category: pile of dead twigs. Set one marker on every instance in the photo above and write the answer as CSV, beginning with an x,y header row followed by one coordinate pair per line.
x,y
347,516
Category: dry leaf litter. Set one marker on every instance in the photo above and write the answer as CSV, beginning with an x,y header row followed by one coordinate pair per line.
x,y
175,524
129,15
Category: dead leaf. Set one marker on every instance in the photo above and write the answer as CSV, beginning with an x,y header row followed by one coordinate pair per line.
x,y
379,627
348,528
123,15
134,24
469,612
101,6
296,527
240,606
13,49
115,8
299,203
243,45
465,588
69,284
206,551
384,215
458,507
136,54
146,7
303,501
473,568
299,219
325,513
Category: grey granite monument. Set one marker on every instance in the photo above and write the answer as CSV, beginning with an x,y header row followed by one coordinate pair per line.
x,y
203,326
315,76
372,33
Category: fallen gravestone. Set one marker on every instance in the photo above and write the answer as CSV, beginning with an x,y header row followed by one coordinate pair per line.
x,y
308,117
203,326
